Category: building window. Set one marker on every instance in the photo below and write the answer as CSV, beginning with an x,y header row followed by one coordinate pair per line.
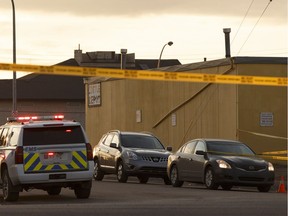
x,y
94,94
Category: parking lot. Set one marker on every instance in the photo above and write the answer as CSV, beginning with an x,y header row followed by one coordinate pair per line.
x,y
109,197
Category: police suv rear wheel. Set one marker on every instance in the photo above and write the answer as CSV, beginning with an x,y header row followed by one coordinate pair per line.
x,y
9,191
83,191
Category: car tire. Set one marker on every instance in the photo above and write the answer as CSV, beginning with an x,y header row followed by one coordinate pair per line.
x,y
98,175
226,187
83,190
143,179
54,191
209,179
167,180
10,193
264,188
174,177
121,173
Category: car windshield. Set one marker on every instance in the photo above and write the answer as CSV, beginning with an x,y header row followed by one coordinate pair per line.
x,y
228,148
138,141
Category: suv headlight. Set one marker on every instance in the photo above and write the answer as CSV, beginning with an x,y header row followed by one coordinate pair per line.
x,y
270,166
223,164
131,155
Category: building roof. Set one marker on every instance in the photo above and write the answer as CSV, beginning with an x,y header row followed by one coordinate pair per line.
x,y
69,62
225,61
145,64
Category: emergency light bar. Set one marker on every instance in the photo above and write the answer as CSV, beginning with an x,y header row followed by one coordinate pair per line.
x,y
34,118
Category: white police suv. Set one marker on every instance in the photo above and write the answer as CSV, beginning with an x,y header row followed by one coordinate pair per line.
x,y
44,152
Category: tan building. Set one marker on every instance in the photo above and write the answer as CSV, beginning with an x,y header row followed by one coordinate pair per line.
x,y
179,111
46,95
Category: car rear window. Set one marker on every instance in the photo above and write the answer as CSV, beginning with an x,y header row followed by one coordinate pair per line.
x,y
53,135
137,141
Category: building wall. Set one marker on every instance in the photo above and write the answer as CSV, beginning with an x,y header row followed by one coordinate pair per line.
x,y
197,109
72,109
254,100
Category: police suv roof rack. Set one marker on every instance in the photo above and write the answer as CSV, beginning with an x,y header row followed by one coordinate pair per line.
x,y
34,118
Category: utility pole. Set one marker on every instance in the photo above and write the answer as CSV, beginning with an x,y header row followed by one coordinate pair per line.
x,y
14,89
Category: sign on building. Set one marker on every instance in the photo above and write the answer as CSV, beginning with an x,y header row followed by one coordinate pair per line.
x,y
94,94
266,119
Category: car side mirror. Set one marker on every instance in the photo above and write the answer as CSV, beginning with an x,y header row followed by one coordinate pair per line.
x,y
200,152
169,148
113,145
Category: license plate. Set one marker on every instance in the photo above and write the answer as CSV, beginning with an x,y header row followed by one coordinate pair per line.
x,y
57,176
53,155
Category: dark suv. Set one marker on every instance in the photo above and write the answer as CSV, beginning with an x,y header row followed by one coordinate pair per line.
x,y
130,154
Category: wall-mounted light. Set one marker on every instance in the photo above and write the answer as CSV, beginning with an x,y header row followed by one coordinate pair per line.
x,y
138,116
173,119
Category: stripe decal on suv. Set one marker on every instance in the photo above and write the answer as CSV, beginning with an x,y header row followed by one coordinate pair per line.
x,y
32,163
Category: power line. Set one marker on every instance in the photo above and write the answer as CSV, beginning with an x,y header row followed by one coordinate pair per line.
x,y
254,26
242,21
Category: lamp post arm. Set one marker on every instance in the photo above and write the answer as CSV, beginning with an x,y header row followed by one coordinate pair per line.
x,y
159,60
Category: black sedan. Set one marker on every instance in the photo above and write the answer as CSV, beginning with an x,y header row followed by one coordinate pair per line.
x,y
216,162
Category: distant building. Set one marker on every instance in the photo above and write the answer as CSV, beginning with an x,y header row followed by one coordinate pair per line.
x,y
46,94
179,111
111,59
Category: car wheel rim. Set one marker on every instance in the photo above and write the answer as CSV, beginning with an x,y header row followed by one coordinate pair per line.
x,y
95,169
173,175
208,178
5,187
119,171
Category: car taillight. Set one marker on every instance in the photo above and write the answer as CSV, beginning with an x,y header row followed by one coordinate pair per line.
x,y
89,151
19,155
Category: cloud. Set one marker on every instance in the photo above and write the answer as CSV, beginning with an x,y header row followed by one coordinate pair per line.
x,y
149,7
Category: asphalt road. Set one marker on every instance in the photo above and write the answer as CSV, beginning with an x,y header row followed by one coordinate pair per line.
x,y
154,198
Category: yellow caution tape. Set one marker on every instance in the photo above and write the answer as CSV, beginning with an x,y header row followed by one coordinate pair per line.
x,y
264,135
276,155
147,75
275,152
277,158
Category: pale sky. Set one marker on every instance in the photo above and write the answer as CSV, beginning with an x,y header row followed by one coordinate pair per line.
x,y
48,32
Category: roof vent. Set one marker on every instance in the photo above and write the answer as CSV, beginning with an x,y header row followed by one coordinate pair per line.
x,y
227,42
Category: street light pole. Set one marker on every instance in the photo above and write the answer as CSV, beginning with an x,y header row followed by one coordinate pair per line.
x,y
14,92
169,43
